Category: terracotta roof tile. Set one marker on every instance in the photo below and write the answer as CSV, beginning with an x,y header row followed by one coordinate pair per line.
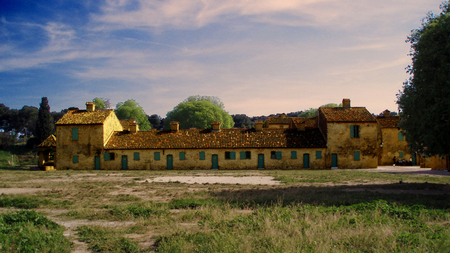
x,y
353,114
225,138
388,121
83,117
310,122
49,142
278,120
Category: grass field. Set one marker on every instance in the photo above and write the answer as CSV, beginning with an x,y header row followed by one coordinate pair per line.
x,y
310,211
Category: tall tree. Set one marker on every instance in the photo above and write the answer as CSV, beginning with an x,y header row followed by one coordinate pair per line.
x,y
101,103
242,121
44,123
130,109
212,99
155,121
198,114
424,102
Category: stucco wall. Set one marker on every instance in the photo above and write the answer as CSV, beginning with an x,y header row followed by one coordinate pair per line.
x,y
392,146
110,125
339,142
192,159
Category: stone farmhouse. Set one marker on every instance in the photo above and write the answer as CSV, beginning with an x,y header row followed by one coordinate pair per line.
x,y
339,137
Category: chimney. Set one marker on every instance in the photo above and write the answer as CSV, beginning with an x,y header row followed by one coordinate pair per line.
x,y
90,106
216,126
386,113
346,103
258,125
174,126
134,127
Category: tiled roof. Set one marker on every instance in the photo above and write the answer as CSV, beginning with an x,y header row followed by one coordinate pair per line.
x,y
225,138
127,122
310,122
352,114
49,142
389,121
279,120
83,117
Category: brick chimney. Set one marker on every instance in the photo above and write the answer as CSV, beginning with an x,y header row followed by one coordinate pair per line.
x,y
259,125
216,126
134,127
174,126
346,103
90,106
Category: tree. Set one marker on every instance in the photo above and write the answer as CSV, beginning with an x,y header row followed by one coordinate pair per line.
x,y
44,123
424,103
214,100
101,103
198,114
130,109
242,121
155,121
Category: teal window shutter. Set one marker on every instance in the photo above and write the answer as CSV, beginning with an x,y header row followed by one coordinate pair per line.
x,y
157,156
278,155
182,156
106,156
400,136
318,154
352,132
74,134
75,159
293,154
242,154
232,155
136,156
400,154
202,155
357,156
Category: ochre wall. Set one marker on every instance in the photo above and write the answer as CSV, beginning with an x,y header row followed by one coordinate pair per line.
x,y
392,146
110,125
340,143
192,159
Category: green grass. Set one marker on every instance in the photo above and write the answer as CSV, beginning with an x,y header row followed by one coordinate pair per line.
x,y
27,231
19,201
102,239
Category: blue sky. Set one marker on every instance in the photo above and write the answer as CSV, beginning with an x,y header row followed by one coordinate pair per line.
x,y
259,57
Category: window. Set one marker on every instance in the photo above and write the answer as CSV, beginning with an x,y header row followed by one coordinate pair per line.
x,y
357,156
245,154
354,131
400,137
275,155
400,154
136,156
230,155
182,156
318,154
75,159
75,134
157,156
202,155
293,154
109,156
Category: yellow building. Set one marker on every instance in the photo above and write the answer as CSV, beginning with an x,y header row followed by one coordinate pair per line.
x,y
339,137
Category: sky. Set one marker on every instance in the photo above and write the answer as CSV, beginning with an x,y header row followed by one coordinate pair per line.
x,y
259,57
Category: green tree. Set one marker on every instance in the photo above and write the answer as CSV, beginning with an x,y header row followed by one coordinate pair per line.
x,y
198,114
101,103
214,100
44,123
130,109
155,121
242,121
424,103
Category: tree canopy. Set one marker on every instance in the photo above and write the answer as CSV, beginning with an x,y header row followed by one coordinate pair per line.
x,y
44,123
424,103
214,100
198,114
101,103
130,109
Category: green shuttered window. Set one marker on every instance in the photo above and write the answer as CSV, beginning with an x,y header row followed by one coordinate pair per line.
x,y
400,137
106,156
75,159
278,155
354,131
182,156
400,154
230,155
318,154
136,156
75,134
157,156
357,156
202,155
293,154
